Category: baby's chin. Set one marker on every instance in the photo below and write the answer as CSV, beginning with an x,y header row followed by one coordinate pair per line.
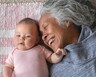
x,y
22,48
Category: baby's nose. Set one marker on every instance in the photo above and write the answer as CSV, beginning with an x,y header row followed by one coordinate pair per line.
x,y
22,38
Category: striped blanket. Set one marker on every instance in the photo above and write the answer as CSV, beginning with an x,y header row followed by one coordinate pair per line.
x,y
10,14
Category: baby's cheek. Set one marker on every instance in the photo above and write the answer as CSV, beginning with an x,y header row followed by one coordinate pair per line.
x,y
15,42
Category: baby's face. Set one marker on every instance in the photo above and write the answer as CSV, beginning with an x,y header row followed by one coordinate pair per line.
x,y
26,36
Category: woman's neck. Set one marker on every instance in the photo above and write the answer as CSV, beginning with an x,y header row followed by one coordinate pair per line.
x,y
75,33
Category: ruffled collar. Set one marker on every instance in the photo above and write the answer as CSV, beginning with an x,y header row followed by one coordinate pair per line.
x,y
77,52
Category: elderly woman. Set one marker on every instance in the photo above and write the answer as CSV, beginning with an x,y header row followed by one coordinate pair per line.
x,y
66,24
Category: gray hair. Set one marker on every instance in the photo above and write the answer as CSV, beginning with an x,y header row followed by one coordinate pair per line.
x,y
71,10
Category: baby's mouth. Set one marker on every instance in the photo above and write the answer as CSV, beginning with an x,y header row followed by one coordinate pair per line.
x,y
21,43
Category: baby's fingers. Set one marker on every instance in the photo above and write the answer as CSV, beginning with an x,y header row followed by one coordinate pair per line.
x,y
59,52
64,52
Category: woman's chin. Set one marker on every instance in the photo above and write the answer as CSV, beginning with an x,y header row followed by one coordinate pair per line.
x,y
54,49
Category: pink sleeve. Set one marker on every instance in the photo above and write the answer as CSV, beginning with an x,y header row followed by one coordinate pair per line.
x,y
9,60
47,52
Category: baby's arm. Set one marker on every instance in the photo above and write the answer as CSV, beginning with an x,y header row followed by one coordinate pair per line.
x,y
8,70
57,56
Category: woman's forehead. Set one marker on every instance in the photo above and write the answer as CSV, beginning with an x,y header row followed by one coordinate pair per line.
x,y
46,19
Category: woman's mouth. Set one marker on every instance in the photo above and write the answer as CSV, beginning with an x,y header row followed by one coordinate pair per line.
x,y
50,42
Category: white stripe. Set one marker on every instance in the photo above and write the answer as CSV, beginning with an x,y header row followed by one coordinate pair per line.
x,y
6,33
1,69
5,50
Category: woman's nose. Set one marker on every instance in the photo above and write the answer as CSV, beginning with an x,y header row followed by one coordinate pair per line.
x,y
44,37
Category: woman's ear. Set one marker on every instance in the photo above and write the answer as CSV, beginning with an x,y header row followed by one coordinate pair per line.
x,y
68,23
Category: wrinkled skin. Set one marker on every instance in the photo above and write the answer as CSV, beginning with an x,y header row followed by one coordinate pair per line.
x,y
55,35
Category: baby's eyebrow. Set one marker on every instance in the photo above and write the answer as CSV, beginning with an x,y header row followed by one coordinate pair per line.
x,y
28,34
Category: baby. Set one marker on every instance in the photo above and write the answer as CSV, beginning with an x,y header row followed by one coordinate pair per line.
x,y
28,58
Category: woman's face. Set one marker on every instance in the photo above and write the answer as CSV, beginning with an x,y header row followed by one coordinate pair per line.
x,y
54,35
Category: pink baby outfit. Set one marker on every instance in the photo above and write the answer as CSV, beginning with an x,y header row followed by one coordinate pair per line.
x,y
29,63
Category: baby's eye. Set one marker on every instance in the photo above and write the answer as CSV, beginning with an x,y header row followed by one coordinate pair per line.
x,y
17,35
28,36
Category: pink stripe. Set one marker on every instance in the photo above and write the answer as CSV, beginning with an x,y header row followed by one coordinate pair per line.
x,y
13,13
9,17
3,58
6,42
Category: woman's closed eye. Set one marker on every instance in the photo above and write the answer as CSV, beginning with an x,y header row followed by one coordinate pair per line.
x,y
45,27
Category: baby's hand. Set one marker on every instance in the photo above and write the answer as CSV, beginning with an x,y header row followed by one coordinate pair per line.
x,y
61,52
